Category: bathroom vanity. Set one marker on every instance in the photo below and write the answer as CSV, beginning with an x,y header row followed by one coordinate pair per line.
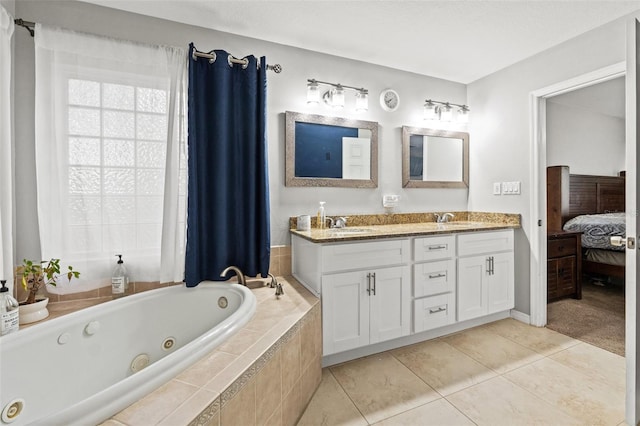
x,y
404,283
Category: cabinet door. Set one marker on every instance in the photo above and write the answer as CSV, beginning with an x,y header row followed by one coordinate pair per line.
x,y
472,293
390,315
500,282
345,312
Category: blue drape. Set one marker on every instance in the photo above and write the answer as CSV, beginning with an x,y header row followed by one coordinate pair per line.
x,y
228,204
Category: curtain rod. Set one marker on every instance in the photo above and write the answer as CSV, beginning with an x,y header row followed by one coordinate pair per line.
x,y
277,68
26,24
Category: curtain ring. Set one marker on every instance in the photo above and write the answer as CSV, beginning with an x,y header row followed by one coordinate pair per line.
x,y
213,57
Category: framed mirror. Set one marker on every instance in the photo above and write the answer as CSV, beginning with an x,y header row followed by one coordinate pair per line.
x,y
330,151
434,158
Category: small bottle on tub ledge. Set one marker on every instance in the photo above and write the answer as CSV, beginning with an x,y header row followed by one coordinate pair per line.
x,y
8,311
119,279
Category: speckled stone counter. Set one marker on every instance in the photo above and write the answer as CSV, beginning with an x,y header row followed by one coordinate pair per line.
x,y
369,227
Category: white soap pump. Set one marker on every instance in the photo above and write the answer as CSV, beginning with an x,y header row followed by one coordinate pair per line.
x,y
119,279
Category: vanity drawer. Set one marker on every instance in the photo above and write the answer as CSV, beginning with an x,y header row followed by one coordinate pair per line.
x,y
434,278
433,312
485,242
348,256
434,248
561,247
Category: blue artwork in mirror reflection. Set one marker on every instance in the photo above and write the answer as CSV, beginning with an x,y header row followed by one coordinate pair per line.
x,y
318,149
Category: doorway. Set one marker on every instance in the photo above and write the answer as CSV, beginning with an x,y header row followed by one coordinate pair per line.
x,y
585,150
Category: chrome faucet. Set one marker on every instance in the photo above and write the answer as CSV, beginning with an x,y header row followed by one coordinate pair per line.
x,y
275,284
238,272
330,221
341,222
444,218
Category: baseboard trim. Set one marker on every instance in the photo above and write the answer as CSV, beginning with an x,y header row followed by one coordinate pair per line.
x,y
521,316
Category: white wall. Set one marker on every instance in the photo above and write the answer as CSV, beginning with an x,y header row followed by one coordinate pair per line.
x,y
588,142
501,132
286,91
10,5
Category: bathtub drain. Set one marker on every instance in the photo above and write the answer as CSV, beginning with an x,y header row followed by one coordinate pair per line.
x,y
12,410
223,302
139,362
168,343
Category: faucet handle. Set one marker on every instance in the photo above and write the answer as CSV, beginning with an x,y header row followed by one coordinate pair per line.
x,y
330,221
438,218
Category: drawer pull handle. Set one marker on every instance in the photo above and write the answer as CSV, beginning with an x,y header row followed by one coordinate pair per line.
x,y
435,311
369,284
374,283
432,276
441,247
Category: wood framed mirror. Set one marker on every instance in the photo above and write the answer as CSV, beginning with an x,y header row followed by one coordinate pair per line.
x,y
434,158
330,151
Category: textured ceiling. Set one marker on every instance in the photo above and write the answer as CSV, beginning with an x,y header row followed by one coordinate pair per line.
x,y
455,40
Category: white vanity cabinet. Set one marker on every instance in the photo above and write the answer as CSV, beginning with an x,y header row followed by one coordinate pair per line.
x,y
434,282
404,290
485,273
365,287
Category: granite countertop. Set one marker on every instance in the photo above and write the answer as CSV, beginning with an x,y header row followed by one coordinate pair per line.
x,y
371,227
372,232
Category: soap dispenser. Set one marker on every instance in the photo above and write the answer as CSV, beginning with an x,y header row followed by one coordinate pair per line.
x,y
321,217
9,308
119,279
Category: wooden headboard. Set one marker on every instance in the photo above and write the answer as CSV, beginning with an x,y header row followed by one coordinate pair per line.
x,y
571,195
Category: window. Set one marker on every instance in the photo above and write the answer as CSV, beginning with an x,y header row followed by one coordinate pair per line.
x,y
117,136
110,156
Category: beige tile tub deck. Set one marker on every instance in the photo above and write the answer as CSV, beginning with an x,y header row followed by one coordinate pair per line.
x,y
265,374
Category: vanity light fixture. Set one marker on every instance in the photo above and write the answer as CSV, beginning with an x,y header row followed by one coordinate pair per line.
x,y
443,111
335,97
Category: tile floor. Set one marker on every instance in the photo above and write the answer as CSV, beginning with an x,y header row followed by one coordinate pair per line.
x,y
503,373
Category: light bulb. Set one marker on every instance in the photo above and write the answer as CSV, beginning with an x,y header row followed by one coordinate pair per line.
x,y
446,113
429,111
313,92
337,97
362,100
463,114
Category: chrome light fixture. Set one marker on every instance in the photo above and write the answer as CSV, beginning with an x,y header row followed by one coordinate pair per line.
x,y
443,111
335,96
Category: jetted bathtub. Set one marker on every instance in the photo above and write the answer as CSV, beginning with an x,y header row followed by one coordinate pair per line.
x,y
84,367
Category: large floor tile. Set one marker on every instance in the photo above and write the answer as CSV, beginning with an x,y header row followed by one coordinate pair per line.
x,y
330,405
382,387
492,350
600,365
442,366
500,402
575,393
538,339
436,413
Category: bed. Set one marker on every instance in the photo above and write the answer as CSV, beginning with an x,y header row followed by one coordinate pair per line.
x,y
593,205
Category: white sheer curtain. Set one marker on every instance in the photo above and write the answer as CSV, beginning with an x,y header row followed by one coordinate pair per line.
x,y
6,135
110,156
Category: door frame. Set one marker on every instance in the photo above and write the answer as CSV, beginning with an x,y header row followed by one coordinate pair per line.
x,y
538,148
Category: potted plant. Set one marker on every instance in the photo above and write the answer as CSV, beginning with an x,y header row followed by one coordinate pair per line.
x,y
35,275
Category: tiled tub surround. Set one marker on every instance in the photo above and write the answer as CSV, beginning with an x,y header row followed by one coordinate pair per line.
x,y
60,304
265,374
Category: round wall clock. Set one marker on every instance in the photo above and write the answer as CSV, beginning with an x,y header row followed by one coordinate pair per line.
x,y
389,100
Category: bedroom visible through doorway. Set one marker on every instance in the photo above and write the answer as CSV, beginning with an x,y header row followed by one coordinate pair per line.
x,y
585,152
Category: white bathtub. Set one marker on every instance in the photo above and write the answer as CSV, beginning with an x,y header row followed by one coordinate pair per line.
x,y
76,369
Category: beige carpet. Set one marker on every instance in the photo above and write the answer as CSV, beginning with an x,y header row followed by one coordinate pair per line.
x,y
597,319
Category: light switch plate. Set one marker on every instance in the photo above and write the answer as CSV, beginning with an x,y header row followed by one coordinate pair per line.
x,y
497,188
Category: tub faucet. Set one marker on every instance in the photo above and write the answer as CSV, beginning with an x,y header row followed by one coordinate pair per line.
x,y
444,218
238,272
275,284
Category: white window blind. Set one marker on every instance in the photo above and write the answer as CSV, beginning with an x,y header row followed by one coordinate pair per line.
x,y
111,158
